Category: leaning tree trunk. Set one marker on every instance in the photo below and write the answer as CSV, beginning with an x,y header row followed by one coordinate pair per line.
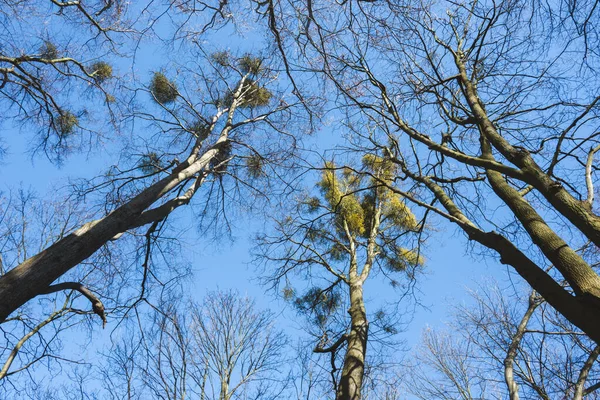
x,y
34,275
353,370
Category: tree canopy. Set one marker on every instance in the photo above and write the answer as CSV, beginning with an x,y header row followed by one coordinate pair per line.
x,y
351,138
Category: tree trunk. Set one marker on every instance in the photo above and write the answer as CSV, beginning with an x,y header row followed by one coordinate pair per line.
x,y
353,370
224,394
582,311
513,348
33,276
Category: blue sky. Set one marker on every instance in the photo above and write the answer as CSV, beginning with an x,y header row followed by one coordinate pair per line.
x,y
449,270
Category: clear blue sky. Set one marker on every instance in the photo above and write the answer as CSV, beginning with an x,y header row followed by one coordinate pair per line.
x,y
448,271
226,265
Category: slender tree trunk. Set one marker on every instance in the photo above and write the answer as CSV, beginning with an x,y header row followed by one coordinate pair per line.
x,y
353,370
203,385
513,387
224,395
580,391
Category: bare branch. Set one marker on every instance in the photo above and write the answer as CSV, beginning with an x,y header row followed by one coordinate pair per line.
x,y
97,305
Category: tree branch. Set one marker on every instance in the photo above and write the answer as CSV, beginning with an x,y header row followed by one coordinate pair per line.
x,y
333,348
588,175
583,375
513,348
97,305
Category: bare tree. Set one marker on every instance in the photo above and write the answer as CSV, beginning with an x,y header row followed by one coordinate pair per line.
x,y
208,122
206,144
223,348
239,345
505,346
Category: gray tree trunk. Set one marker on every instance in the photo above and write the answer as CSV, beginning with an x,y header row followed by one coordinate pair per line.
x,y
33,276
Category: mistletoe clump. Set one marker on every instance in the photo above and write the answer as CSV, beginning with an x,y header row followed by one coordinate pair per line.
x,y
150,163
66,123
252,95
200,129
250,65
163,90
101,71
254,165
321,304
221,58
48,50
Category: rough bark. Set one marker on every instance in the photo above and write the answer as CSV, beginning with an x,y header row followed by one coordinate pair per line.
x,y
576,271
578,309
577,212
353,370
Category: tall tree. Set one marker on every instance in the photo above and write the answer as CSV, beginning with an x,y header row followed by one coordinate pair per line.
x,y
490,109
207,133
199,121
353,231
